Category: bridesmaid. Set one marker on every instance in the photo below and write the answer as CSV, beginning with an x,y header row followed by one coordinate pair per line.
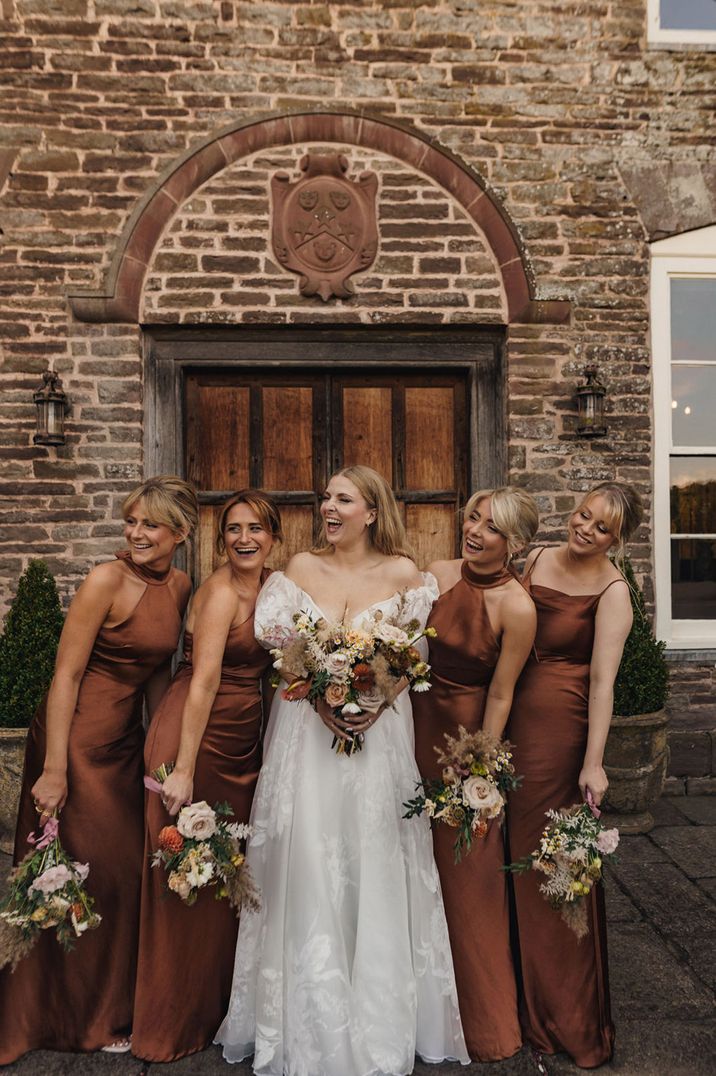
x,y
84,759
485,625
559,725
210,723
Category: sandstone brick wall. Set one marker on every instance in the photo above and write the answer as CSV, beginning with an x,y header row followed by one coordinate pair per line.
x,y
215,262
560,107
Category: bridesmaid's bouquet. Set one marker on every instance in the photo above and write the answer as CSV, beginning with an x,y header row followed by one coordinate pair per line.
x,y
354,669
571,854
477,775
203,849
47,892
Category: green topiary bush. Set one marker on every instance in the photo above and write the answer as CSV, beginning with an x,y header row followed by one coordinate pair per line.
x,y
642,681
28,645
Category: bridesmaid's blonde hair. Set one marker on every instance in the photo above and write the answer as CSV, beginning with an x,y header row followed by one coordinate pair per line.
x,y
625,511
264,508
168,500
514,513
387,532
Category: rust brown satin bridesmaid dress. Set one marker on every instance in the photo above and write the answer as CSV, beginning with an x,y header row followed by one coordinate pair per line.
x,y
82,1000
186,954
564,1003
463,658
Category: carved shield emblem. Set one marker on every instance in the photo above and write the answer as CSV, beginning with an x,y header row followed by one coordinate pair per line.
x,y
324,224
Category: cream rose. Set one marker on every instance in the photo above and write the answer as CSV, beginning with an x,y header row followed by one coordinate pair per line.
x,y
337,664
481,795
389,633
179,885
197,821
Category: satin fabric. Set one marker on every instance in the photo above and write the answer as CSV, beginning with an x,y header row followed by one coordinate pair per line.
x,y
564,1003
186,954
82,1000
463,658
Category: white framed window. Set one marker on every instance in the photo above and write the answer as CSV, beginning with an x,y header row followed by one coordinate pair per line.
x,y
683,329
685,22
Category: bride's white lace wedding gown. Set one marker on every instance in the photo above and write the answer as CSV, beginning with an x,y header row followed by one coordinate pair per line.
x,y
346,970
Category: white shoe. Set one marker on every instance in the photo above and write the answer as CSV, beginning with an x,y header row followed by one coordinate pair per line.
x,y
123,1046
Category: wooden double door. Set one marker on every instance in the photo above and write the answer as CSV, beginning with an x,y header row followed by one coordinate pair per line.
x,y
287,431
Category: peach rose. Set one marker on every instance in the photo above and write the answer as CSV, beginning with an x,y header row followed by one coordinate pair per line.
x,y
336,694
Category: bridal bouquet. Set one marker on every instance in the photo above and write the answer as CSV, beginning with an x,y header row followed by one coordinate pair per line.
x,y
477,774
47,892
354,669
204,848
571,853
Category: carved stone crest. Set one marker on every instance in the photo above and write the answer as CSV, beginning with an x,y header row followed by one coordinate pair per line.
x,y
324,224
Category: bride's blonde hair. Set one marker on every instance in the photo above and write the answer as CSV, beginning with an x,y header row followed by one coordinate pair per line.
x,y
386,533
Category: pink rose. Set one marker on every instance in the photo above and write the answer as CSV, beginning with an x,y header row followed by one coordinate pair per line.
x,y
51,880
607,841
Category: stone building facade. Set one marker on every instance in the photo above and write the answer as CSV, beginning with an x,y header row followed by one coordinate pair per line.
x,y
528,154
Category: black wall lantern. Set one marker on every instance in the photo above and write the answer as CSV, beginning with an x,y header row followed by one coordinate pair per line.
x,y
590,404
51,404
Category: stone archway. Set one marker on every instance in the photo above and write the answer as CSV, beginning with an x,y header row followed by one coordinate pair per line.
x,y
119,299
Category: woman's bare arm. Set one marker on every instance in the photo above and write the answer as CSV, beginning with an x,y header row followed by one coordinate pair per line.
x,y
87,613
612,626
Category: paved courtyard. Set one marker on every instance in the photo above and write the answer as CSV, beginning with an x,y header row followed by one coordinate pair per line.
x,y
662,938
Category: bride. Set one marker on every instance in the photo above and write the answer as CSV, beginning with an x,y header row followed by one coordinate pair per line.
x,y
346,970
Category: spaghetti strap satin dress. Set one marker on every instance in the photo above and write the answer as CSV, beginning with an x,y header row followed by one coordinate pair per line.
x,y
186,954
463,657
564,1004
82,1000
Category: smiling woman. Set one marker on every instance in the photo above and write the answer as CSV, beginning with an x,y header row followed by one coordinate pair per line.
x,y
209,724
84,762
559,724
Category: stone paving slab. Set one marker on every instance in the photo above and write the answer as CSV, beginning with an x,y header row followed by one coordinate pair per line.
x,y
700,809
667,813
692,848
669,1048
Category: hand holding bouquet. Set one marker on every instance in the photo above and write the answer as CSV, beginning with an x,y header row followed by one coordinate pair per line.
x,y
204,849
477,774
46,892
571,854
355,670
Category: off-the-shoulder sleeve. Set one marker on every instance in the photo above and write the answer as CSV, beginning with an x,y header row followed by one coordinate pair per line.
x,y
419,600
279,598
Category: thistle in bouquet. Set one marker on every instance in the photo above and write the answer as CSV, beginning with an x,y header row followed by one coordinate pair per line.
x,y
571,855
46,892
205,848
477,775
354,670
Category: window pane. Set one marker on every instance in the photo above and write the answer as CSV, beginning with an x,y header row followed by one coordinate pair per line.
x,y
693,317
693,404
687,15
693,495
693,579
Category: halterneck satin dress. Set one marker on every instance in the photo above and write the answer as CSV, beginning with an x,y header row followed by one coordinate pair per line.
x,y
463,657
564,1003
82,1000
186,954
